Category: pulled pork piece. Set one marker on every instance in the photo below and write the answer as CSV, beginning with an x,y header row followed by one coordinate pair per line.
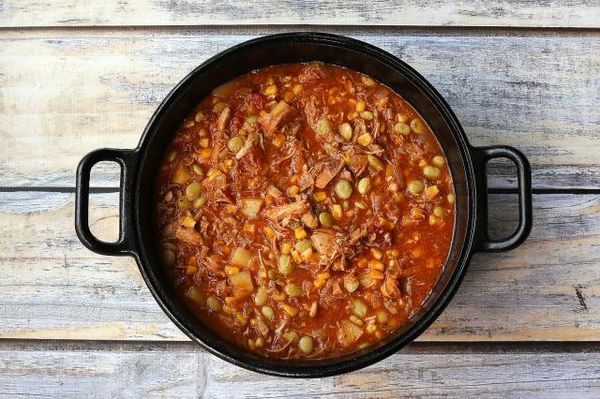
x,y
356,235
331,247
189,236
311,73
389,288
310,220
306,180
360,127
271,121
325,172
358,164
324,241
248,144
223,118
287,211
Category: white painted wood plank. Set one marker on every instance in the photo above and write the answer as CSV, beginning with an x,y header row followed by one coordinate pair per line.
x,y
67,93
183,371
551,13
53,288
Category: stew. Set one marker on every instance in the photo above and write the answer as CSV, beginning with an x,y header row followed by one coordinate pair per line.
x,y
304,211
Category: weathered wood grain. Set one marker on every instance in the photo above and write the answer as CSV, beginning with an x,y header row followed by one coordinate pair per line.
x,y
551,13
97,88
184,371
53,288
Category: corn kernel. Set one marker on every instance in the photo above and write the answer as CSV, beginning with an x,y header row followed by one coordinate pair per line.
x,y
336,211
292,311
204,142
286,248
432,191
249,228
376,275
376,253
213,174
231,209
288,96
279,140
241,319
376,264
416,252
229,301
371,328
320,196
432,220
293,190
360,106
270,90
300,233
364,139
417,213
189,222
297,89
205,153
319,283
278,297
191,269
352,115
269,232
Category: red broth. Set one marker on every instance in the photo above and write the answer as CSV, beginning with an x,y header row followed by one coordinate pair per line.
x,y
304,211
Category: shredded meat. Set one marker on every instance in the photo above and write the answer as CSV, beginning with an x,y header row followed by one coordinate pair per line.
x,y
310,220
324,241
312,72
306,180
358,164
287,211
223,118
189,236
248,144
272,121
325,172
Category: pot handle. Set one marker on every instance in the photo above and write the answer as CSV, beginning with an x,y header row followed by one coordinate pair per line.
x,y
127,159
481,156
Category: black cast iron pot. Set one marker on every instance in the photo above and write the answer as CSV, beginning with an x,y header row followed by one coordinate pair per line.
x,y
139,168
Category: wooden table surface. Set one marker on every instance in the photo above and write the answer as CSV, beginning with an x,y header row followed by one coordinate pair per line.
x,y
78,75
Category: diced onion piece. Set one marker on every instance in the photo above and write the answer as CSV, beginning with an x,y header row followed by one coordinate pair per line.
x,y
242,284
194,294
348,333
224,90
251,207
240,257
